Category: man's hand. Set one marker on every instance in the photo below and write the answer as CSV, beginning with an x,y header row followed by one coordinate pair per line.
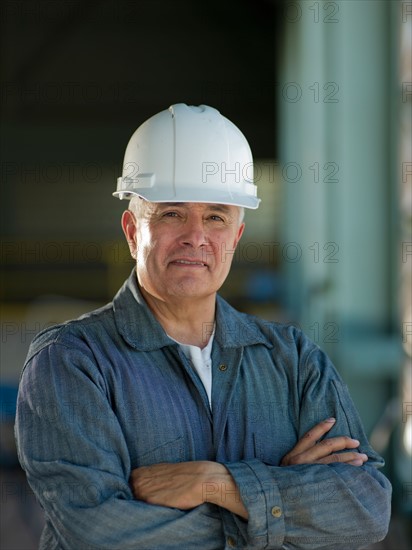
x,y
185,485
309,450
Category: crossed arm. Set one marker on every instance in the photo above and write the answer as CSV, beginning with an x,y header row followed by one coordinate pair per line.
x,y
186,485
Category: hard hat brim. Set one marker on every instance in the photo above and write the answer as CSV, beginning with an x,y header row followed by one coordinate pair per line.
x,y
192,195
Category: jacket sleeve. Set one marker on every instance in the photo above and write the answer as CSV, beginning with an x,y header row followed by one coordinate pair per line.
x,y
76,460
310,506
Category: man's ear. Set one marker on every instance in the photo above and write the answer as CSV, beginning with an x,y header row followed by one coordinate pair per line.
x,y
129,230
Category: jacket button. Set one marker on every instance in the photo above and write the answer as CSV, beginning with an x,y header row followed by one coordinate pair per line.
x,y
276,512
222,368
231,542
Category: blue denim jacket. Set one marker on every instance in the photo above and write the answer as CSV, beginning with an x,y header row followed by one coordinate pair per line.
x,y
110,391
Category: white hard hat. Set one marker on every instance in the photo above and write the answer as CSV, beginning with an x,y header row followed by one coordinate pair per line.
x,y
189,154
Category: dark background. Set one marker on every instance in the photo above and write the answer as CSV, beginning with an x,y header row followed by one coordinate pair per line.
x,y
78,78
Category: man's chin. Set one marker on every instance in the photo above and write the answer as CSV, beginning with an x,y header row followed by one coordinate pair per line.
x,y
191,290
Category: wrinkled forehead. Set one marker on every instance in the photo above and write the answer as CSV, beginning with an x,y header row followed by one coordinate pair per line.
x,y
228,209
217,207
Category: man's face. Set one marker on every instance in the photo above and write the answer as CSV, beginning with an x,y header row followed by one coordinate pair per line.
x,y
183,250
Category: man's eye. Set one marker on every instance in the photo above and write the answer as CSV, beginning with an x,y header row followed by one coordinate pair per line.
x,y
170,214
217,218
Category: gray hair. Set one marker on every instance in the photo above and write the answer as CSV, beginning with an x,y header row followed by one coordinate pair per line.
x,y
138,206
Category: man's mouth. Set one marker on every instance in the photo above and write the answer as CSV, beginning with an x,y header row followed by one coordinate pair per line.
x,y
190,262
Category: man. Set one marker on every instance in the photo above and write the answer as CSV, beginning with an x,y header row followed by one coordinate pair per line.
x,y
169,420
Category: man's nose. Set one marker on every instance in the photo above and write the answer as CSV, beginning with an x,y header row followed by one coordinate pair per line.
x,y
194,233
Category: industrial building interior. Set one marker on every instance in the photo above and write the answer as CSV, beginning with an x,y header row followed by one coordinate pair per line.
x,y
322,91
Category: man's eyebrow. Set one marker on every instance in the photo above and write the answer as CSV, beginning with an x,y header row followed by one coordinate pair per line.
x,y
220,207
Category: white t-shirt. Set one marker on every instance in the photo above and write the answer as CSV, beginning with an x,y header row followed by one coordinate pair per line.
x,y
202,363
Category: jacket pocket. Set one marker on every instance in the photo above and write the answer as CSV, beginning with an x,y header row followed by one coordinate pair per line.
x,y
271,447
169,451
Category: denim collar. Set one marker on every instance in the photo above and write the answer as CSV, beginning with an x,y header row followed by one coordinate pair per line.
x,y
139,327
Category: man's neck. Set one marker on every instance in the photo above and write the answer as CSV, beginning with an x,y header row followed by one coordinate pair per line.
x,y
189,321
